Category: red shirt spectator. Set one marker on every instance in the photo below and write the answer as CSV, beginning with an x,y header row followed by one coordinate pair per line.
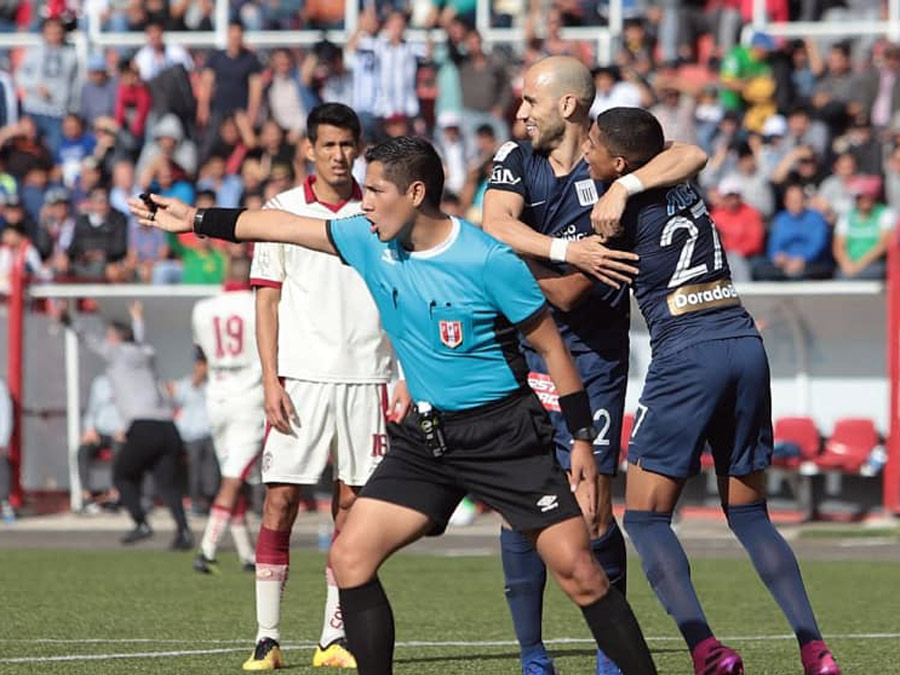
x,y
740,226
132,102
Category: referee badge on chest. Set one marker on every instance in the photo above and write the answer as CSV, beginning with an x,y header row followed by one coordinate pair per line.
x,y
451,332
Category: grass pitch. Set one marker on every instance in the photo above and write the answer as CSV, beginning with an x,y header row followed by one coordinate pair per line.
x,y
147,612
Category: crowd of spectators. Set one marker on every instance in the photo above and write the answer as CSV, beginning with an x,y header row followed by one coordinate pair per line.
x,y
803,135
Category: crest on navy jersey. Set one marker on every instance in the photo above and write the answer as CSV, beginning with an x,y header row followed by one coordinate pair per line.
x,y
451,333
586,191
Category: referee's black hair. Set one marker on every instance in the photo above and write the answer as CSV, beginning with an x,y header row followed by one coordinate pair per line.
x,y
632,133
407,159
334,115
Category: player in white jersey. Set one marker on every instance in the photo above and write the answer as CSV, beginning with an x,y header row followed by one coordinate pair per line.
x,y
326,365
224,329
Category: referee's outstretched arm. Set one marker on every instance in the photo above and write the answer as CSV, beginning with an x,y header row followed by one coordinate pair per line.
x,y
175,216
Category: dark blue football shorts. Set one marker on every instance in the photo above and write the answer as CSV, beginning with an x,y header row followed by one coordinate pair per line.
x,y
604,381
714,392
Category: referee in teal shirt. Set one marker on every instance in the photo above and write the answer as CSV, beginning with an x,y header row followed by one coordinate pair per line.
x,y
453,301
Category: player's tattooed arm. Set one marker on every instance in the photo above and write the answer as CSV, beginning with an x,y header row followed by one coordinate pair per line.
x,y
677,163
563,291
273,225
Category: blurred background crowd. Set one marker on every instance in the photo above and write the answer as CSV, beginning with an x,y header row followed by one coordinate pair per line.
x,y
803,135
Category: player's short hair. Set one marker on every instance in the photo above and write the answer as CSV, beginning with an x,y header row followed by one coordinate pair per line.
x,y
407,159
632,133
334,115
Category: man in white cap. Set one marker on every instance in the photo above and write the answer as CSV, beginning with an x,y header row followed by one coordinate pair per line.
x,y
740,227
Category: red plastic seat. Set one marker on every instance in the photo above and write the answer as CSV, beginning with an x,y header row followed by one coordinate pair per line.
x,y
849,446
802,432
627,426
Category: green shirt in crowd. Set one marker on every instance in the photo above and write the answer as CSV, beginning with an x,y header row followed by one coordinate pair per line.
x,y
739,64
861,233
199,265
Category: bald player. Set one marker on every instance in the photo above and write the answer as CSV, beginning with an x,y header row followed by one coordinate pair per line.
x,y
539,201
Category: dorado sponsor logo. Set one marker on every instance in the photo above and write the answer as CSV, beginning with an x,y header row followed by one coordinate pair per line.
x,y
543,386
699,297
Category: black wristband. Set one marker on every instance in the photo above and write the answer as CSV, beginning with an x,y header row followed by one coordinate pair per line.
x,y
576,411
217,223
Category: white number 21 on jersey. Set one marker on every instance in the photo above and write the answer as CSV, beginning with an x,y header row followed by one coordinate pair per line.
x,y
683,270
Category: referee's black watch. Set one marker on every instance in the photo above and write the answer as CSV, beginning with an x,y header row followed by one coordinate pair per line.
x,y
585,434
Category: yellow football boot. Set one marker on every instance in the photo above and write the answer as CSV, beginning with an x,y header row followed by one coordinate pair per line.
x,y
335,655
266,656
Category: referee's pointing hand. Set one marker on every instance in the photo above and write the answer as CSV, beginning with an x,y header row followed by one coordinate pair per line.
x,y
171,215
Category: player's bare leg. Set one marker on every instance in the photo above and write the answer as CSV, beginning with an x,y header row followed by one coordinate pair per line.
x,y
565,548
272,563
220,516
744,502
650,499
372,532
332,651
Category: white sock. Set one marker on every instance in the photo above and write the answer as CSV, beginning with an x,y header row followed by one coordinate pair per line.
x,y
215,527
242,540
333,626
270,582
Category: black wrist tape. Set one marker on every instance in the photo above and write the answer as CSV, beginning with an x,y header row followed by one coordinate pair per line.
x,y
576,411
218,223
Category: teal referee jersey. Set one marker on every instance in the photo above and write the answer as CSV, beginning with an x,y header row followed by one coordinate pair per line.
x,y
451,311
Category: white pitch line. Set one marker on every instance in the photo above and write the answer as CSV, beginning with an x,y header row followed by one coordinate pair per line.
x,y
441,643
405,644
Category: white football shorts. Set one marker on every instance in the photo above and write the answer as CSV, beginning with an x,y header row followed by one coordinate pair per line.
x,y
238,426
344,422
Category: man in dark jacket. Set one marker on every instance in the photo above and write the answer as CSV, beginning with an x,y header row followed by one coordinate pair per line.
x,y
99,242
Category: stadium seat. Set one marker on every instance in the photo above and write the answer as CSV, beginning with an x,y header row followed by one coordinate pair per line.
x,y
627,426
849,446
799,431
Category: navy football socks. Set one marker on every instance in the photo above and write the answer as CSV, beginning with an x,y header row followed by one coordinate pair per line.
x,y
525,576
776,565
668,571
609,550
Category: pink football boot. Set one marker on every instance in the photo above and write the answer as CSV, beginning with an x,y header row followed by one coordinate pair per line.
x,y
711,657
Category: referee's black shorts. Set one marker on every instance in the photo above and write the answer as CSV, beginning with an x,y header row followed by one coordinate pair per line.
x,y
502,453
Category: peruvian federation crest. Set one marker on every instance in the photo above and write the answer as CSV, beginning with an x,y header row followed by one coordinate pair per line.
x,y
451,333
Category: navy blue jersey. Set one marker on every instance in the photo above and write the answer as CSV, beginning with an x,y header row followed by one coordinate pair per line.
x,y
560,206
684,286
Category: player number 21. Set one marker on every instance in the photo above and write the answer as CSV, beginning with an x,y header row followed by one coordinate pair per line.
x,y
683,270
229,335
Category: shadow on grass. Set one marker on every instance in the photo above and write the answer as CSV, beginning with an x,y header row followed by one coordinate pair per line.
x,y
494,656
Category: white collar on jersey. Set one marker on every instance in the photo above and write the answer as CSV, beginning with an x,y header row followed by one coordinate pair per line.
x,y
443,246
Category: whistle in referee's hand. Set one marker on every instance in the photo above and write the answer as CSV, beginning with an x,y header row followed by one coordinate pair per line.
x,y
151,205
430,426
